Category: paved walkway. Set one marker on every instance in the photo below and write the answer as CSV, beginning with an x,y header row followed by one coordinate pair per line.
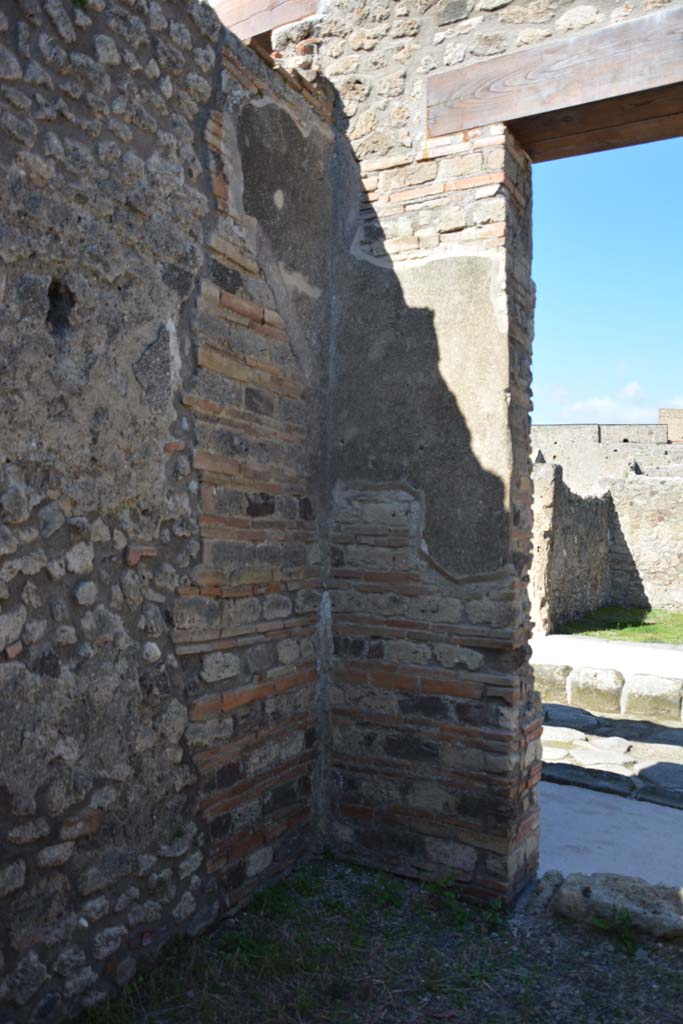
x,y
627,658
624,756
586,832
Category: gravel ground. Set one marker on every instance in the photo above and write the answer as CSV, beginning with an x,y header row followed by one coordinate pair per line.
x,y
340,944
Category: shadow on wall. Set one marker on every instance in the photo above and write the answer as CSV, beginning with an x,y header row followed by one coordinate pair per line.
x,y
625,586
394,418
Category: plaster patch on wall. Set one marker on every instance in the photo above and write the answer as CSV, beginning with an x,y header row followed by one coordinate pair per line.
x,y
296,280
459,293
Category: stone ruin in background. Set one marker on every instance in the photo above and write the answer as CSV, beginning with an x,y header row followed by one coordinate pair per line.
x,y
608,518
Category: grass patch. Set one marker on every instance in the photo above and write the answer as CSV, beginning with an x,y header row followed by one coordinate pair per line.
x,y
648,626
339,944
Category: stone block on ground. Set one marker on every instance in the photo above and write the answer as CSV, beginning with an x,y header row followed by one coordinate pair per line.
x,y
589,778
598,689
665,775
570,718
551,682
655,909
652,696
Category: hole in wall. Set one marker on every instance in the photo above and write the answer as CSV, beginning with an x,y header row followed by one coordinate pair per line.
x,y
62,300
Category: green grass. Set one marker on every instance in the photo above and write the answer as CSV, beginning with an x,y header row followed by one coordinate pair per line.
x,y
338,944
646,625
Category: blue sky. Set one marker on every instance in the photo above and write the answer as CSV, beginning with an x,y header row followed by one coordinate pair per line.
x,y
608,266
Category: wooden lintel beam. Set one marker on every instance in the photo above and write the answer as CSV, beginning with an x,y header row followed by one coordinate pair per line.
x,y
648,116
630,57
248,18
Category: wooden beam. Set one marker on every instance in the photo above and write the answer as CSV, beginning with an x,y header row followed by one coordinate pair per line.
x,y
626,121
630,57
249,18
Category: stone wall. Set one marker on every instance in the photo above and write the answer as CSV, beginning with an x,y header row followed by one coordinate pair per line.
x,y
643,482
646,542
570,572
160,575
672,419
593,453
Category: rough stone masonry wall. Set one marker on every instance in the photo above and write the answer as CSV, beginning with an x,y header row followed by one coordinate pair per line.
x,y
570,566
646,542
644,482
160,571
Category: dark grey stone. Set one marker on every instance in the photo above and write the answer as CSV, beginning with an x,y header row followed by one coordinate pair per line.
x,y
453,10
665,776
588,778
570,718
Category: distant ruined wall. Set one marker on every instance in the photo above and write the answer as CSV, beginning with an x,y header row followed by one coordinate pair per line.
x,y
672,419
160,572
643,482
593,453
646,542
570,567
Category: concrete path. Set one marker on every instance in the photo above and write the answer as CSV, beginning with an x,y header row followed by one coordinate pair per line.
x,y
628,658
584,831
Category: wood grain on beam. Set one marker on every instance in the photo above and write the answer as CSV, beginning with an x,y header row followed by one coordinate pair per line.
x,y
249,18
633,56
626,121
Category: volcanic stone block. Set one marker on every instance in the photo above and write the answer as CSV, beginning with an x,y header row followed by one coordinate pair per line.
x,y
551,682
653,696
596,688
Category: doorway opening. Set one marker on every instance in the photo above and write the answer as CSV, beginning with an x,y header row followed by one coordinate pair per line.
x,y
606,582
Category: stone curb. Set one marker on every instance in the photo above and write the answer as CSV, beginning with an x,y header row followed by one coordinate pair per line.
x,y
658,698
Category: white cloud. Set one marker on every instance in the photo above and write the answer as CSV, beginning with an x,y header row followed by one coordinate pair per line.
x,y
608,409
632,389
597,404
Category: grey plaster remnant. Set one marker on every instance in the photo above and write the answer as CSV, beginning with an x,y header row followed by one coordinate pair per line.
x,y
153,371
